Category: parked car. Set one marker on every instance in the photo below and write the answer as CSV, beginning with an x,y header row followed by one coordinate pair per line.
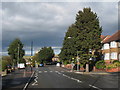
x,y
9,68
41,65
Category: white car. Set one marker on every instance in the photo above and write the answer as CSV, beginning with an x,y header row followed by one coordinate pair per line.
x,y
58,64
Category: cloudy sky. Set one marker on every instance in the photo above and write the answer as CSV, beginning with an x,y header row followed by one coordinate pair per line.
x,y
46,23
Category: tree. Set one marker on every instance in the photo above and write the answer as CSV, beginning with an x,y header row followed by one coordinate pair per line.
x,y
85,37
45,55
89,32
68,51
16,52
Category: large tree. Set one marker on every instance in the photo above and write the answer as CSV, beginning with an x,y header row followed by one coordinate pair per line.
x,y
89,32
68,51
45,55
16,52
85,36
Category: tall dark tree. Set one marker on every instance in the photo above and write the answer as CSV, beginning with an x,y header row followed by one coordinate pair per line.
x,y
89,32
68,51
16,52
85,36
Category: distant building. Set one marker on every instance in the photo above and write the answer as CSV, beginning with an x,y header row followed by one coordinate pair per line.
x,y
111,47
55,58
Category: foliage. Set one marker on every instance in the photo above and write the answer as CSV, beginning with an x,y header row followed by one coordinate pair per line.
x,y
66,62
15,50
69,50
113,65
4,65
6,60
84,36
100,64
115,61
44,55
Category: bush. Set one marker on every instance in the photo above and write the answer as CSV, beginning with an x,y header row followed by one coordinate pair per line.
x,y
100,64
116,61
66,62
114,65
4,65
117,64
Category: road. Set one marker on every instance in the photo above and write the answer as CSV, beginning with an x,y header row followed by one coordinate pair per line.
x,y
58,77
16,79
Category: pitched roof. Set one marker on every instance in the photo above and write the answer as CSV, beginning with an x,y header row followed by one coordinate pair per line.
x,y
102,37
114,37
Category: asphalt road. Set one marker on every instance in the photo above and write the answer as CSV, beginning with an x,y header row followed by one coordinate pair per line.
x,y
58,77
16,80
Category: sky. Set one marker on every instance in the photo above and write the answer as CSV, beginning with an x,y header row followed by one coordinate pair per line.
x,y
45,23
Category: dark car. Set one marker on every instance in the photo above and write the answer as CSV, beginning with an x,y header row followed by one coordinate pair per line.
x,y
9,68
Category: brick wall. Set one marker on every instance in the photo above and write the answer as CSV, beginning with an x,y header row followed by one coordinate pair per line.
x,y
107,70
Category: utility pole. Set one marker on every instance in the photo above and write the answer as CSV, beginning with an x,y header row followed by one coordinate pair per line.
x,y
31,53
18,55
32,48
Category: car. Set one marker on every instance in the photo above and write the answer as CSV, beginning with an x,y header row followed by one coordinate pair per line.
x,y
41,65
58,64
9,68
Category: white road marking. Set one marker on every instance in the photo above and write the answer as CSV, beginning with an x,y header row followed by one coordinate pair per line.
x,y
45,71
51,71
40,71
94,87
35,83
28,81
59,73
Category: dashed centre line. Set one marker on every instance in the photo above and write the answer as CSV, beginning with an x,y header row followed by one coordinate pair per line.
x,y
49,71
60,73
45,71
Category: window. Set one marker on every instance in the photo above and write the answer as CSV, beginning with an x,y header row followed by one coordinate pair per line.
x,y
114,55
118,44
106,46
106,57
113,44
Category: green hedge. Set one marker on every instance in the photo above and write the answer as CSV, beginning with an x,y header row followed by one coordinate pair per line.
x,y
100,64
113,65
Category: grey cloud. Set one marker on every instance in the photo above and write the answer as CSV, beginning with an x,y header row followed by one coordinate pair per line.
x,y
46,23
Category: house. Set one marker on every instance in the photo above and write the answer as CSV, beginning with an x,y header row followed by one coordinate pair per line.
x,y
55,58
111,47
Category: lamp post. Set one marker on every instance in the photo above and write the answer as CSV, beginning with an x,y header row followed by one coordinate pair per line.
x,y
77,61
77,57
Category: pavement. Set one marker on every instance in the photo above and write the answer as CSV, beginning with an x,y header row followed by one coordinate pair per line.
x,y
16,79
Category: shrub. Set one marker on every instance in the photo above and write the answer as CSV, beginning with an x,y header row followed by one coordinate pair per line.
x,y
100,64
116,61
4,65
66,62
114,65
117,64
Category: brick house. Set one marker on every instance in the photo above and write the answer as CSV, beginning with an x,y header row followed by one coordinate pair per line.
x,y
111,47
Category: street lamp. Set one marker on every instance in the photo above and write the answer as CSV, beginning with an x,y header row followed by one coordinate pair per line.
x,y
77,57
